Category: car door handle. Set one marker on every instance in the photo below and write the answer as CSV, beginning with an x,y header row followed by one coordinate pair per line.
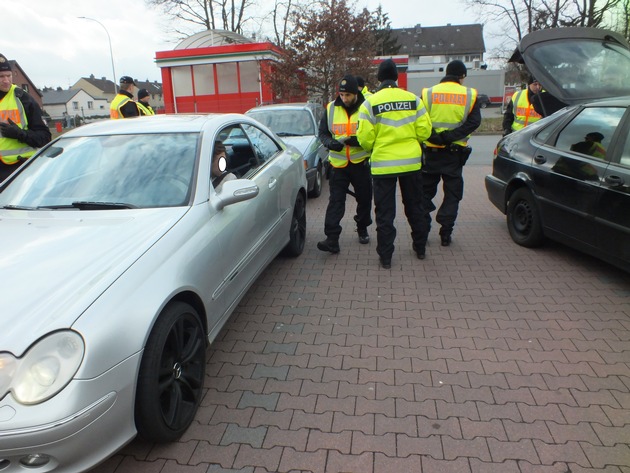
x,y
540,159
614,180
272,182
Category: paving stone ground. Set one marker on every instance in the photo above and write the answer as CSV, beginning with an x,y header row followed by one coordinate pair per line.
x,y
486,357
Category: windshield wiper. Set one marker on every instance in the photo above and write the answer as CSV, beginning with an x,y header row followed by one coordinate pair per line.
x,y
86,205
286,133
18,207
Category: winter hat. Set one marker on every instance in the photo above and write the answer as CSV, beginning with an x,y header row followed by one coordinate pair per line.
x,y
456,68
387,71
142,93
5,65
349,84
360,82
127,80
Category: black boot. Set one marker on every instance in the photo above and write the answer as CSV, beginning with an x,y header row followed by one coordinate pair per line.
x,y
364,238
329,245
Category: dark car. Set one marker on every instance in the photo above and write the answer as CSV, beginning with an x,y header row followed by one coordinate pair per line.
x,y
297,124
483,100
567,176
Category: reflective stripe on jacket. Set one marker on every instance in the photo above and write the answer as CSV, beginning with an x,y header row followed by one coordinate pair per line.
x,y
343,126
145,109
392,124
449,104
524,112
116,105
10,148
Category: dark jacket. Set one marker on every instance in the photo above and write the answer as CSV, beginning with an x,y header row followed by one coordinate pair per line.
x,y
37,133
130,109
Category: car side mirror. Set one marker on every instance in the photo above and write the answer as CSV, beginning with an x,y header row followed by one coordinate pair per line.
x,y
232,192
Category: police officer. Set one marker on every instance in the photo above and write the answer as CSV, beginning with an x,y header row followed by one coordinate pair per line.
x,y
349,162
362,87
520,111
22,128
123,105
455,114
392,124
143,103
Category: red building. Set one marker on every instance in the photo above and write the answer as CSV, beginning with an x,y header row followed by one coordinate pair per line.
x,y
217,71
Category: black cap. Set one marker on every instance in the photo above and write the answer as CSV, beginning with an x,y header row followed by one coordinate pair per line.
x,y
5,65
142,93
595,136
360,82
531,80
349,84
127,80
387,71
456,68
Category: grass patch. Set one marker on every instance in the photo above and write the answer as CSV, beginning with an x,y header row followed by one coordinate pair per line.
x,y
491,125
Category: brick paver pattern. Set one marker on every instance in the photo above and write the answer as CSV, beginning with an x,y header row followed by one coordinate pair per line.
x,y
485,357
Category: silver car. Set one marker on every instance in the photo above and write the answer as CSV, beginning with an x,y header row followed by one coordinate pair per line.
x,y
120,263
298,125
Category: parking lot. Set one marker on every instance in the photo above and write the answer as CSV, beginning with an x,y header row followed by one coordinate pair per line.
x,y
485,357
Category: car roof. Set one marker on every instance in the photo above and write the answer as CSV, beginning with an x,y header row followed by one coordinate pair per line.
x,y
285,106
577,64
157,124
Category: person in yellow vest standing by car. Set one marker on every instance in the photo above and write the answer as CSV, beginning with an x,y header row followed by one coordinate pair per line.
x,y
143,103
349,163
520,111
455,114
22,128
123,105
392,124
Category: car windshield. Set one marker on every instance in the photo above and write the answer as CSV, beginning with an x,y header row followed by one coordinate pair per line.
x,y
107,172
584,68
286,122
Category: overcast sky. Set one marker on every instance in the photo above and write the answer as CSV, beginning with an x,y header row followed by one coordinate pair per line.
x,y
56,48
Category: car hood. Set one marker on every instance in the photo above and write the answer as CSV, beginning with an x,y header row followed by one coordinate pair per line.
x,y
302,143
577,65
54,264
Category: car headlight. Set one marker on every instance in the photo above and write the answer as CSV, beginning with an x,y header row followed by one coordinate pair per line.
x,y
44,370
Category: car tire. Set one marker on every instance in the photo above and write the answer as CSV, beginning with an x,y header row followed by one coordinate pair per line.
x,y
484,105
297,232
172,373
523,219
316,191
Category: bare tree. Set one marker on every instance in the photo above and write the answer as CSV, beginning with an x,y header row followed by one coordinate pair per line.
x,y
330,40
209,14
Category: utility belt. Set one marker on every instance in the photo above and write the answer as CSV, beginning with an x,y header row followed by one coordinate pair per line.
x,y
462,151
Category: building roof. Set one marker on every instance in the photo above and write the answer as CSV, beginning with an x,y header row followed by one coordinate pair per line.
x,y
207,38
102,84
16,67
440,40
57,97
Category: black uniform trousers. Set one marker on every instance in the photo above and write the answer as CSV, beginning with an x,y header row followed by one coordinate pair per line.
x,y
385,209
7,169
447,166
357,175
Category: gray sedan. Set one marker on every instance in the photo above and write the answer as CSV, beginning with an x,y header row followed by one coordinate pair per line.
x,y
121,262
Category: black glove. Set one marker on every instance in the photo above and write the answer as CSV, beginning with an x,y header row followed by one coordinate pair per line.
x,y
352,141
11,130
335,145
436,138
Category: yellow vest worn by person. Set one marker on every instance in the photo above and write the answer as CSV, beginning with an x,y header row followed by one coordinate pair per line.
x,y
342,126
392,124
366,92
449,104
117,103
145,109
524,113
10,148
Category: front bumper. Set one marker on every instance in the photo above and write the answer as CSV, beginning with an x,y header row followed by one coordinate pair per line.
x,y
74,434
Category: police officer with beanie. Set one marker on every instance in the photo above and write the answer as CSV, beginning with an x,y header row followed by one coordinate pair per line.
x,y
350,165
143,103
520,112
455,114
22,128
392,124
123,105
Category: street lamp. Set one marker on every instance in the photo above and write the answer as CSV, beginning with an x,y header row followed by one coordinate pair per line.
x,y
111,54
